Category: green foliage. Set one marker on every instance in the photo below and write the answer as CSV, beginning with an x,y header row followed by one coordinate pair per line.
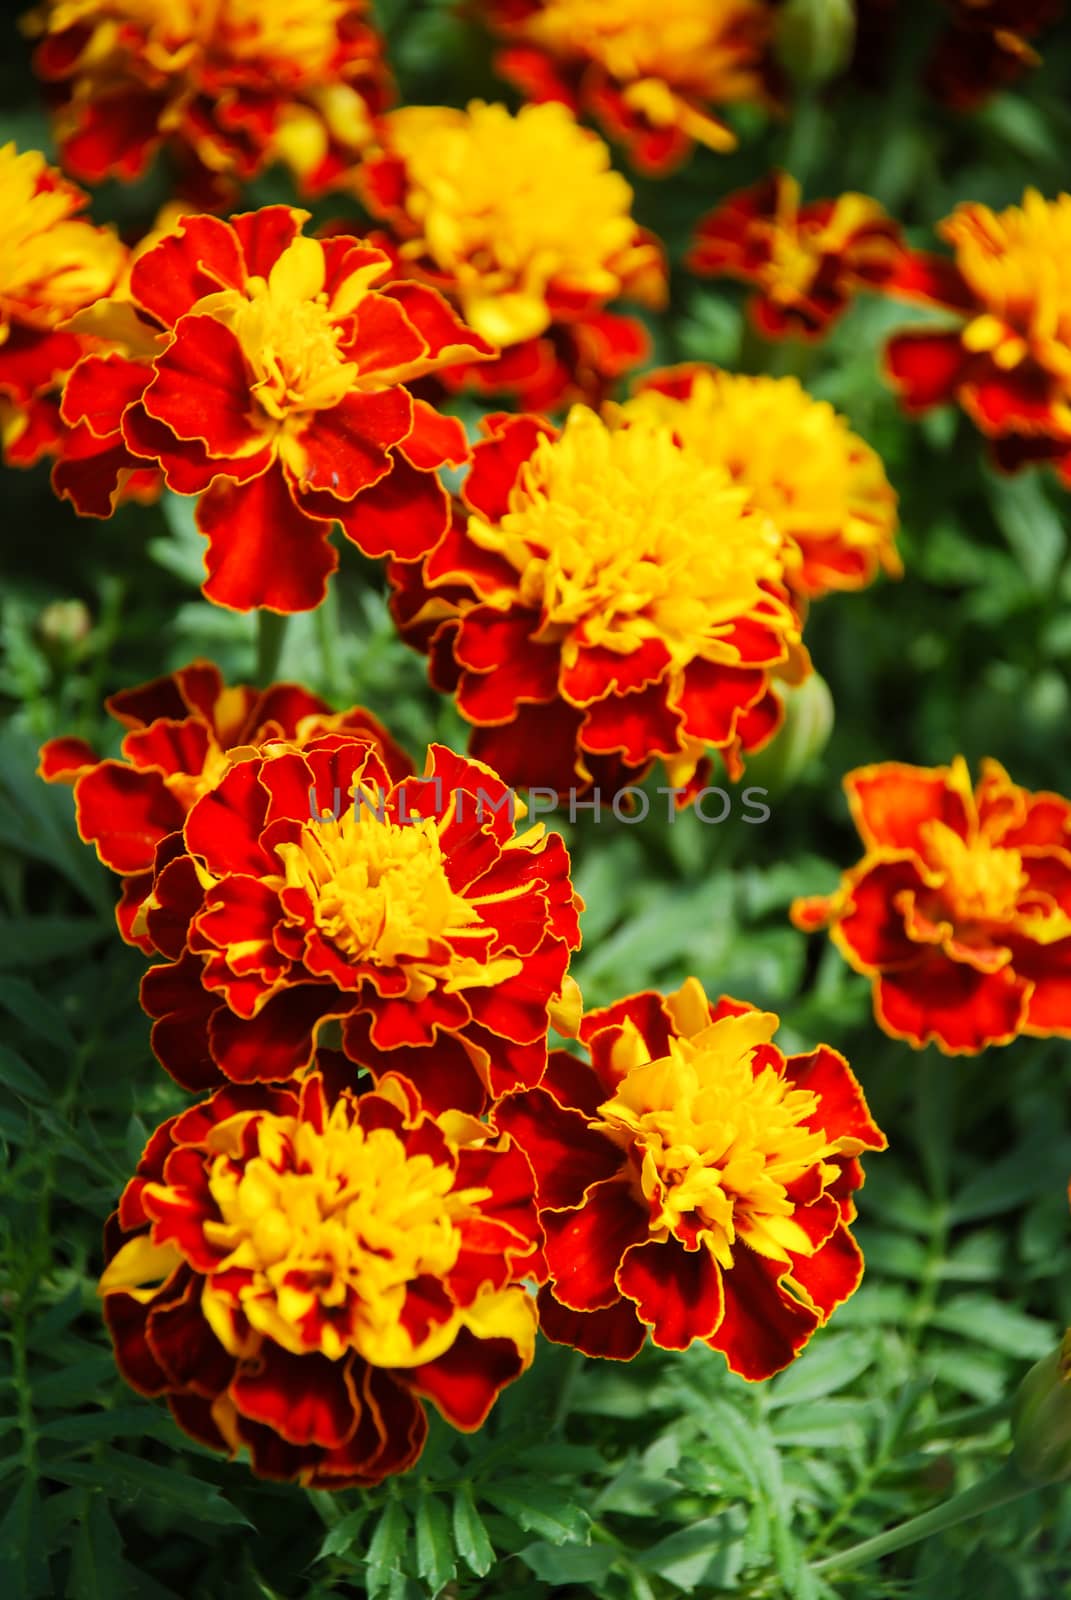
x,y
667,1477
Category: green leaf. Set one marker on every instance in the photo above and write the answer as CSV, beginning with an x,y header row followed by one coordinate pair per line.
x,y
434,1547
571,1564
21,1079
129,1478
36,1013
23,1566
97,1557
386,1549
470,1535
999,1326
543,1508
1031,524
31,941
830,1362
344,1534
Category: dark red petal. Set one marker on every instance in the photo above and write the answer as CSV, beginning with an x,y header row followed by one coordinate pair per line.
x,y
614,1333
263,550
763,1328
678,1292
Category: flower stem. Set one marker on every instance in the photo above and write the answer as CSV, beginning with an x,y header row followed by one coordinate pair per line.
x,y
271,631
1004,1485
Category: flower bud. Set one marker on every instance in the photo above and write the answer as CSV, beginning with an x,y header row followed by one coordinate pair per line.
x,y
1041,1418
63,625
804,735
815,38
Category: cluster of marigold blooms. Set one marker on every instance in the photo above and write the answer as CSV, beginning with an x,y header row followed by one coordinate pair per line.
x,y
392,1176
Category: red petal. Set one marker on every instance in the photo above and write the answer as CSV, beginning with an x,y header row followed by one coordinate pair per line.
x,y
467,1379
566,1155
262,550
404,516
927,368
678,1292
585,1247
201,389
306,1399
497,461
202,257
125,814
763,1329
891,801
963,1009
614,1333
346,448
99,390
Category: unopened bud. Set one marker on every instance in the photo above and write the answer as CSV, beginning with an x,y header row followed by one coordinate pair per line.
x,y
803,736
64,624
815,38
1041,1418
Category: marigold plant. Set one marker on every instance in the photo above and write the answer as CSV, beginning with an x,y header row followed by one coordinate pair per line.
x,y
183,732
53,263
1007,359
960,910
694,1182
806,261
306,885
297,1269
228,85
612,598
523,224
653,76
265,372
822,485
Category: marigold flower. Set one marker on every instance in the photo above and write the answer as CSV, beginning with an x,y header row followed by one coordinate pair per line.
x,y
183,732
228,85
806,261
820,483
307,885
960,910
265,372
298,1268
611,599
53,262
1008,361
986,46
651,75
523,224
694,1181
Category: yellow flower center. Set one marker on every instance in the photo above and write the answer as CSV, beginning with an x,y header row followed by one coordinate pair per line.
x,y
509,205
619,537
51,264
303,34
800,461
1015,261
334,1228
709,46
379,890
716,1145
983,881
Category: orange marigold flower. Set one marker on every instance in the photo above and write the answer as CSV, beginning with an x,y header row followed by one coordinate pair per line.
x,y
53,263
522,222
228,85
183,732
306,885
650,74
298,1268
986,46
1008,361
266,373
820,483
694,1181
960,910
806,261
612,598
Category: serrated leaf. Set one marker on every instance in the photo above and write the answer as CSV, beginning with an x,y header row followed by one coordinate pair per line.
x,y
97,1557
129,1478
539,1508
345,1533
1001,1327
831,1362
386,1548
470,1535
434,1546
568,1564
683,1557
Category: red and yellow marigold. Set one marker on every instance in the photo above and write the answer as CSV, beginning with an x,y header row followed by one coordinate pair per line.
x,y
822,485
611,598
694,1182
182,733
806,261
53,263
297,1269
265,372
1007,360
985,46
523,224
307,885
960,910
229,86
652,75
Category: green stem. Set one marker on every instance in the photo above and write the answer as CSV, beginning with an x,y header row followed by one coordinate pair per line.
x,y
271,631
1005,1484
326,623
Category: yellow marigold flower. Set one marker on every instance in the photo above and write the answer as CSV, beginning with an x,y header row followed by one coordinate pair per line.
x,y
822,485
519,217
231,85
650,73
53,263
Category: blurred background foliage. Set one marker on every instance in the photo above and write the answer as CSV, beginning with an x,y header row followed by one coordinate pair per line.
x,y
667,1477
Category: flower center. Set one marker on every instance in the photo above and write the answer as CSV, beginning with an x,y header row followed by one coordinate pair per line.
x,y
506,204
622,536
378,890
710,45
717,1142
983,881
332,1229
1016,263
